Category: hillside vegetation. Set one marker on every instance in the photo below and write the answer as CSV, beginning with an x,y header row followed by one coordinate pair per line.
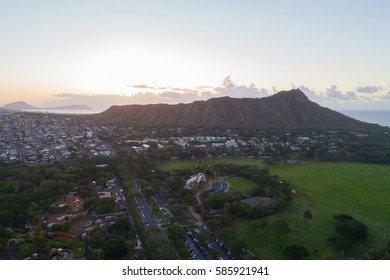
x,y
286,109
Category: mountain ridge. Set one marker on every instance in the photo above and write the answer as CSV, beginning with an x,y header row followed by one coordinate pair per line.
x,y
284,110
19,105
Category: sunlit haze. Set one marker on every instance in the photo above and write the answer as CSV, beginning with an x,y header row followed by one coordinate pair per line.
x,y
106,52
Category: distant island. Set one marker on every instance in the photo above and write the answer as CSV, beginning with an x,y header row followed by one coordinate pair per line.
x,y
70,107
23,106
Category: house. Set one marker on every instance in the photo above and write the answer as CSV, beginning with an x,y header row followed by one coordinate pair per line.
x,y
103,195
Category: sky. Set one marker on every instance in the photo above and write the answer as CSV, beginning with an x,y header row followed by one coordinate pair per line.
x,y
115,52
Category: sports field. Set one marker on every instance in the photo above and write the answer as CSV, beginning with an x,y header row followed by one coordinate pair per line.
x,y
359,190
240,184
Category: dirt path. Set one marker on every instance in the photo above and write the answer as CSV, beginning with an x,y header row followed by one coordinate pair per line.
x,y
198,218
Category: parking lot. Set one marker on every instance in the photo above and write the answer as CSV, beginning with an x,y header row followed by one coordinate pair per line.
x,y
207,248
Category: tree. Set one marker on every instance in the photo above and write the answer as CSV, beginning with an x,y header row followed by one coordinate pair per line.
x,y
214,224
307,215
349,230
349,227
89,201
97,254
96,239
340,242
40,241
342,217
176,233
225,219
114,248
6,217
52,171
23,252
352,229
120,227
296,252
189,199
381,254
233,242
256,212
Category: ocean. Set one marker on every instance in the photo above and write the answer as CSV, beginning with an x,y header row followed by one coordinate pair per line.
x,y
70,112
378,117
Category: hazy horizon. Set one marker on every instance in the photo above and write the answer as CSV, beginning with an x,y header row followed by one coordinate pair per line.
x,y
381,117
102,53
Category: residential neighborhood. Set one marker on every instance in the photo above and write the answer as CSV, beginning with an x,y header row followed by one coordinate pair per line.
x,y
47,138
72,188
50,138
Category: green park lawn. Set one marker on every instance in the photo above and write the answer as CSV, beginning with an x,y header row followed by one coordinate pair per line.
x,y
359,190
240,184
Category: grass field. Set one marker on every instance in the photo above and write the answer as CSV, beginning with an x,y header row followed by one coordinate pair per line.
x,y
359,190
240,184
180,164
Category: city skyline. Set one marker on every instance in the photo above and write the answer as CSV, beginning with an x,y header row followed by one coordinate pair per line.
x,y
102,53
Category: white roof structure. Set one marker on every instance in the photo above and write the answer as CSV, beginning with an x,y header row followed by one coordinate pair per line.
x,y
200,177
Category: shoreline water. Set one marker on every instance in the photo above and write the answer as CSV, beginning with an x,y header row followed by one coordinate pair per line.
x,y
377,117
65,112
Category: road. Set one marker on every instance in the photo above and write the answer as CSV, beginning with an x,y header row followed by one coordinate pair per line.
x,y
11,250
146,212
128,213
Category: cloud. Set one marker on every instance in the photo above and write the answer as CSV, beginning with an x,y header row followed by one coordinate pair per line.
x,y
155,95
203,87
369,89
227,82
334,93
350,95
142,87
171,94
179,96
386,96
157,88
230,89
144,94
310,93
65,95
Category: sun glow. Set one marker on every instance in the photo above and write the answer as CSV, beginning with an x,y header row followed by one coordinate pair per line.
x,y
116,69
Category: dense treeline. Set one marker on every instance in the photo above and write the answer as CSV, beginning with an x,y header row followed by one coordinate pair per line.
x,y
27,191
116,243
